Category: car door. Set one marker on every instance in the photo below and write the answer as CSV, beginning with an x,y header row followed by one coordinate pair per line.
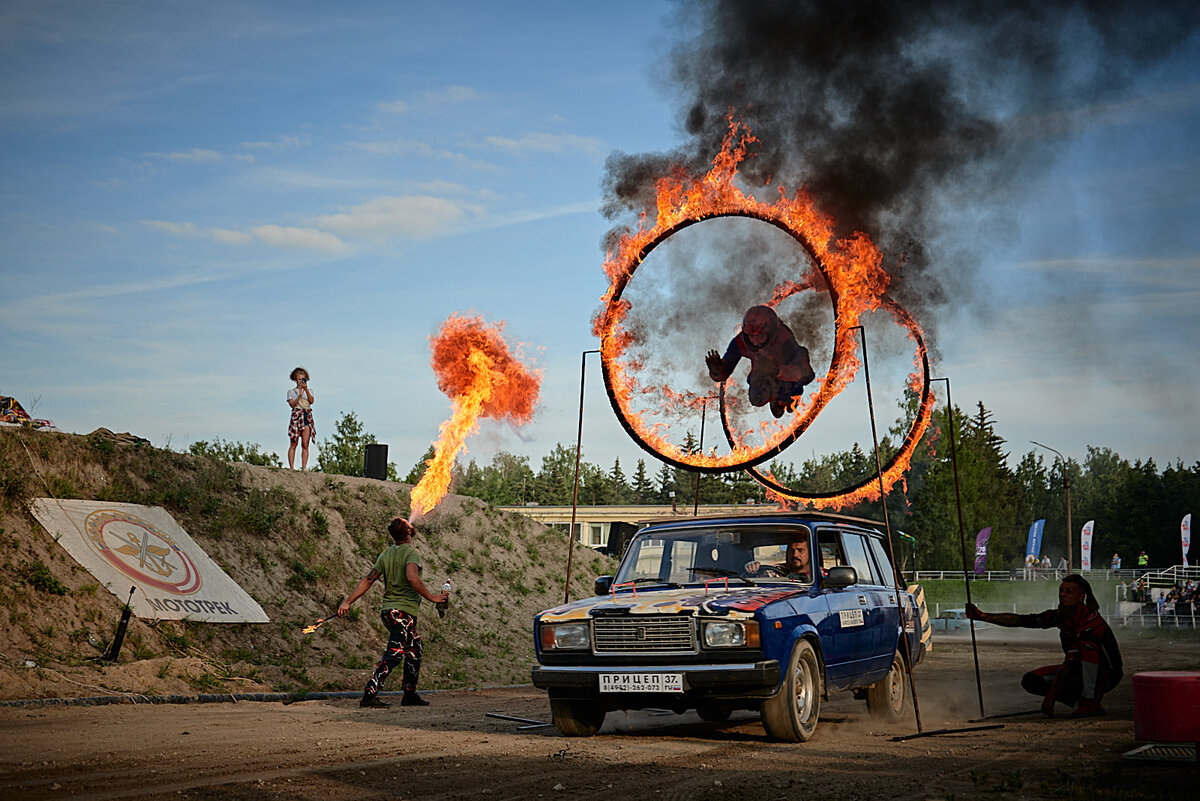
x,y
880,613
846,637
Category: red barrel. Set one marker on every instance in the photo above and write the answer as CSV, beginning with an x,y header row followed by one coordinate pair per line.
x,y
1166,706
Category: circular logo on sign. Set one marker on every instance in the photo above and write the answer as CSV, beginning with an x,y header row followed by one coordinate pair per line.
x,y
141,551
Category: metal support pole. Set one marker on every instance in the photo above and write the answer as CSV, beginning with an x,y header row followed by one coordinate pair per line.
x,y
906,655
962,536
1067,488
575,491
703,414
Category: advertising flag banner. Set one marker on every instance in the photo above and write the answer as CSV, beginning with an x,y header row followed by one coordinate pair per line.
x,y
127,545
1085,546
1185,533
1033,546
981,541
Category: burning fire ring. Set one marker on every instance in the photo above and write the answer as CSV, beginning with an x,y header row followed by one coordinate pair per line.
x,y
890,474
756,456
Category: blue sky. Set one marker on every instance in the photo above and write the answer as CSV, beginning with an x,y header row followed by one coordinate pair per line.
x,y
197,197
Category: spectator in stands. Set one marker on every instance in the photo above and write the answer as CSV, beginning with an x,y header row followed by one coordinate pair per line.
x,y
1116,562
1092,666
1143,561
1046,562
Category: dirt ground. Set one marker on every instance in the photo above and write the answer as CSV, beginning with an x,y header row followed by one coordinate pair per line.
x,y
332,750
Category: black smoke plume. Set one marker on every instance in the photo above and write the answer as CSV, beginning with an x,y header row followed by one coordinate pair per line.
x,y
898,116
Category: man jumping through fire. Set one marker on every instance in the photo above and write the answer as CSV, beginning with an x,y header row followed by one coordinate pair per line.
x,y
779,366
1093,662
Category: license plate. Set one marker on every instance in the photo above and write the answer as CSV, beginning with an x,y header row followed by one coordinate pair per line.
x,y
641,682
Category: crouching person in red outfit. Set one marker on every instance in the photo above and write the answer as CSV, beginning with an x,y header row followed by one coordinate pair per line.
x,y
1092,666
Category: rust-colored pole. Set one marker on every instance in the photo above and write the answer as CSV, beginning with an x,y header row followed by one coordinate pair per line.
x,y
575,491
962,536
906,656
703,414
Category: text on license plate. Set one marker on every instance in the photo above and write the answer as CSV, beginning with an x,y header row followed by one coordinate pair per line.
x,y
641,682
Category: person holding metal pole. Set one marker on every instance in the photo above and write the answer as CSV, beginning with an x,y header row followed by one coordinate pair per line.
x,y
400,568
1092,666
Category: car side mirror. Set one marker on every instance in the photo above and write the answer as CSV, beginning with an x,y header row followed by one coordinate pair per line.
x,y
603,585
840,577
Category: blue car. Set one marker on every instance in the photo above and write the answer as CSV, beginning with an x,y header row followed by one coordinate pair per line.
x,y
769,612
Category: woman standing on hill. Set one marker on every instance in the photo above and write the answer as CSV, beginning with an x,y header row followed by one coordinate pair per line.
x,y
301,428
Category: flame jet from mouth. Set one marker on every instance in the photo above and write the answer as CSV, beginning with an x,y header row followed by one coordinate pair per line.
x,y
478,372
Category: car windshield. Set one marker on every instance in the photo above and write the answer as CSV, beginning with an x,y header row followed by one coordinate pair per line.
x,y
694,555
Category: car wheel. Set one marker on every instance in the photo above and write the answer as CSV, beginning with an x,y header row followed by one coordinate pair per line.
x,y
887,699
791,714
577,718
713,713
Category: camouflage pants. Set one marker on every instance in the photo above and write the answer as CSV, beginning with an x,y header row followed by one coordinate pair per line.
x,y
404,645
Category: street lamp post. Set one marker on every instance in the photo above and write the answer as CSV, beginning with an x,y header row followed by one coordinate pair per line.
x,y
1067,488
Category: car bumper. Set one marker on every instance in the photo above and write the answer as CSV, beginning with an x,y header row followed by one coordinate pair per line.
x,y
751,679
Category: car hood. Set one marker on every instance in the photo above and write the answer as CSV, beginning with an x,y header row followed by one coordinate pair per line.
x,y
732,602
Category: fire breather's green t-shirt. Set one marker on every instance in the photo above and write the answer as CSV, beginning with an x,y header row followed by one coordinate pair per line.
x,y
397,592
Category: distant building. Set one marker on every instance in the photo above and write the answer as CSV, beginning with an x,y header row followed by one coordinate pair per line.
x,y
609,528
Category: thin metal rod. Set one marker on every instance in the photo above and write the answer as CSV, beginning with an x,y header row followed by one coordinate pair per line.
x,y
1067,487
962,537
906,655
575,491
703,414
936,732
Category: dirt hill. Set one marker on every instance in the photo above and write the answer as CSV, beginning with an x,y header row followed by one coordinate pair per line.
x,y
296,541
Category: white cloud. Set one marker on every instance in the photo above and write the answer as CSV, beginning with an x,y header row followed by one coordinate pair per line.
x,y
394,147
392,106
228,237
544,143
385,218
298,238
452,94
280,143
279,236
196,154
177,229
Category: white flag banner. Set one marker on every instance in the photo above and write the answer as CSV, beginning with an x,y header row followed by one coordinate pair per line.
x,y
1085,546
1185,533
124,545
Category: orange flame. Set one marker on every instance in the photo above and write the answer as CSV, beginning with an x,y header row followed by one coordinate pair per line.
x,y
482,378
850,269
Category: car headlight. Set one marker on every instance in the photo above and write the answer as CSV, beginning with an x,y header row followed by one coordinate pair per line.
x,y
565,636
730,634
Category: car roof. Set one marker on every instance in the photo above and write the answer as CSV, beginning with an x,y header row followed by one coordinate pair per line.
x,y
802,516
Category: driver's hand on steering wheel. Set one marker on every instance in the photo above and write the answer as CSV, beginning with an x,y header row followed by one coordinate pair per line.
x,y
752,568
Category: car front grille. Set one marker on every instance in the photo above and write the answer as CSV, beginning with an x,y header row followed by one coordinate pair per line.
x,y
645,633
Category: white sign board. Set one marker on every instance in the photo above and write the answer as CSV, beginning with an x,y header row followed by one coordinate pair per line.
x,y
126,545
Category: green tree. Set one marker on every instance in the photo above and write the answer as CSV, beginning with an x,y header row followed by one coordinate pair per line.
x,y
249,452
420,467
555,480
643,487
345,453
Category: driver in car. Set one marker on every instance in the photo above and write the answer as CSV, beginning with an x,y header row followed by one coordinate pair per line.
x,y
797,565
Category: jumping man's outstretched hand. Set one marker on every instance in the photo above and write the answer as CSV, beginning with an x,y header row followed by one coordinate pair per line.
x,y
715,365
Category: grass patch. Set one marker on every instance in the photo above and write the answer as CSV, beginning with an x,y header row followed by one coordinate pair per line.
x,y
38,576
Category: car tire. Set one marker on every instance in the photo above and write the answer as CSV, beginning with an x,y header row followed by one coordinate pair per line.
x,y
790,715
713,713
888,699
577,718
